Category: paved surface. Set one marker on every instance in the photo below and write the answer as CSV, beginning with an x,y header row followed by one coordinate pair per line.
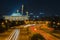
x,y
25,33
14,35
6,34
46,35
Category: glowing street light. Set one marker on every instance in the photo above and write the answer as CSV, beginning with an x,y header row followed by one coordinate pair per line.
x,y
35,29
34,16
17,11
37,16
6,21
53,22
58,23
2,23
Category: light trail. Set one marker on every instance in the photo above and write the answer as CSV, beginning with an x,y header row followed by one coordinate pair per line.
x,y
47,36
14,35
11,35
56,34
29,25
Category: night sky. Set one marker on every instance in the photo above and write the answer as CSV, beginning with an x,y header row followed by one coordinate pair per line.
x,y
48,7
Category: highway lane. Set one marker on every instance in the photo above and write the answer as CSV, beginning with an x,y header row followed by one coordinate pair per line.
x,y
33,29
5,35
23,34
46,35
56,34
14,35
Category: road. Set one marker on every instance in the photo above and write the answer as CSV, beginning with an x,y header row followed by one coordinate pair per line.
x,y
25,32
14,35
5,35
47,35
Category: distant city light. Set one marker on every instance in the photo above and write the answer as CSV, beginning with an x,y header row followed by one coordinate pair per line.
x,y
27,12
31,13
28,16
33,19
58,23
17,11
34,16
35,29
37,16
56,15
41,13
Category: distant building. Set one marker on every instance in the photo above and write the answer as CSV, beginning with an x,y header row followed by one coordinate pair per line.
x,y
17,16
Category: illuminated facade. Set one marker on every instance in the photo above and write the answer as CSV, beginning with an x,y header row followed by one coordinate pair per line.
x,y
17,16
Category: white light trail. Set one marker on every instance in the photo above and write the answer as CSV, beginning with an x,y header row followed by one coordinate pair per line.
x,y
29,25
14,35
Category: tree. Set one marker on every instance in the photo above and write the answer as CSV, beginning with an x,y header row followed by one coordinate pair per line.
x,y
37,37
